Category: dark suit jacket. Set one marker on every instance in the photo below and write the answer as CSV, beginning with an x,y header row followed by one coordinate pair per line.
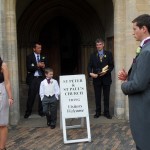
x,y
96,66
138,89
31,65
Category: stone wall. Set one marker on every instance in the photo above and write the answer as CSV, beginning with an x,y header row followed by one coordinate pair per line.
x,y
125,45
8,49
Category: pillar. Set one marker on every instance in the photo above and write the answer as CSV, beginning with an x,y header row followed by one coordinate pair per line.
x,y
125,47
11,55
119,55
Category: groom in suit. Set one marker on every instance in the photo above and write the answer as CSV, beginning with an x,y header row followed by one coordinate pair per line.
x,y
99,60
35,64
136,84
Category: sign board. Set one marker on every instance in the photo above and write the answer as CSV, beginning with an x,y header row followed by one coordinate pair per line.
x,y
73,97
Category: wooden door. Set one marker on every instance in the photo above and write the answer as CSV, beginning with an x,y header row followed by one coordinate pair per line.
x,y
60,40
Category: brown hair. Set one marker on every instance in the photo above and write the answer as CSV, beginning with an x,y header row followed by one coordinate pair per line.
x,y
47,70
143,20
99,40
34,44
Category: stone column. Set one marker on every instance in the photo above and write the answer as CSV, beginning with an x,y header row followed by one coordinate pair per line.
x,y
130,47
2,25
119,55
125,46
11,56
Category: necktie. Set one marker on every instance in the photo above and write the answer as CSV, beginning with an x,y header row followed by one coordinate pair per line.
x,y
38,60
138,50
100,56
146,41
48,81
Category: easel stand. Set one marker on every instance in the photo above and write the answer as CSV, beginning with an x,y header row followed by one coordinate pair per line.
x,y
81,125
73,105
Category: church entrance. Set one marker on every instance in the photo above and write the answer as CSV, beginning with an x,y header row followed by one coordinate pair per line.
x,y
67,30
61,44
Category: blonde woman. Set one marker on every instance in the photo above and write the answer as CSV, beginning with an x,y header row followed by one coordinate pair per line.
x,y
5,101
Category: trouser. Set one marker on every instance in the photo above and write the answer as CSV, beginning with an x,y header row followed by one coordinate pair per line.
x,y
138,148
106,91
32,92
50,108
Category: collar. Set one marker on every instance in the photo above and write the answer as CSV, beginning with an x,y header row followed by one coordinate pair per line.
x,y
142,43
48,78
36,54
101,52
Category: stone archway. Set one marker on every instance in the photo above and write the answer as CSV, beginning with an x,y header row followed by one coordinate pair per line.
x,y
80,11
31,24
80,17
28,30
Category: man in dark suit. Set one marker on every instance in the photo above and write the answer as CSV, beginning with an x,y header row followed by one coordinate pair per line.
x,y
35,63
136,84
99,68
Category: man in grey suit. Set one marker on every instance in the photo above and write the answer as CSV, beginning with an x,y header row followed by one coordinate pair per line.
x,y
136,84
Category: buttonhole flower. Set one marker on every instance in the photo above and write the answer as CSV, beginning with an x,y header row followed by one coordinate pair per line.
x,y
138,50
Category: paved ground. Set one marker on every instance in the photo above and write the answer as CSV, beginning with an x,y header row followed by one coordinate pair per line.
x,y
105,136
33,134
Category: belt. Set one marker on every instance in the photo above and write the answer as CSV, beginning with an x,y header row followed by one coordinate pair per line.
x,y
37,76
49,96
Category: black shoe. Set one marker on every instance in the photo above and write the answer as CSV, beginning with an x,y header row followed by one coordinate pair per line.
x,y
48,120
41,114
97,115
48,123
108,116
53,126
27,115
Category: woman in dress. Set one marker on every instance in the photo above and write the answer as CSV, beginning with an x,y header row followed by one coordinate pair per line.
x,y
5,101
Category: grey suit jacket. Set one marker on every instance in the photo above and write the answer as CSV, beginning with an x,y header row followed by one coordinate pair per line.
x,y
138,90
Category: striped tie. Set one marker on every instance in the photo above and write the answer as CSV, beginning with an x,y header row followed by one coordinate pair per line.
x,y
38,60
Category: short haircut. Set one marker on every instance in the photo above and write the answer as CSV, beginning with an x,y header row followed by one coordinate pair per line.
x,y
34,44
99,40
143,20
47,70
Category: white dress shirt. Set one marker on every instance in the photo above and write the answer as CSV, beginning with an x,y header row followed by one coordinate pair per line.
x,y
49,89
144,41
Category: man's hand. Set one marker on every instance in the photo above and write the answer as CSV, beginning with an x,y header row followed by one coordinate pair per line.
x,y
93,75
122,75
41,65
102,73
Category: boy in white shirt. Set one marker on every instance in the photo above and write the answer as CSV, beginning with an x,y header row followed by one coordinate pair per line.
x,y
49,91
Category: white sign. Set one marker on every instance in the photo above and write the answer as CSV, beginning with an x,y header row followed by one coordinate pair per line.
x,y
73,97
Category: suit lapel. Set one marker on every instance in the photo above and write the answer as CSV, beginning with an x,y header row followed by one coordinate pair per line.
x,y
42,58
34,58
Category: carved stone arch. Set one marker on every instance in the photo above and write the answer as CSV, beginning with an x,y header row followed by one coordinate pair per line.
x,y
83,14
38,13
79,13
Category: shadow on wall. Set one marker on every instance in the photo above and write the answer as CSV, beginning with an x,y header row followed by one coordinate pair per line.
x,y
23,100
